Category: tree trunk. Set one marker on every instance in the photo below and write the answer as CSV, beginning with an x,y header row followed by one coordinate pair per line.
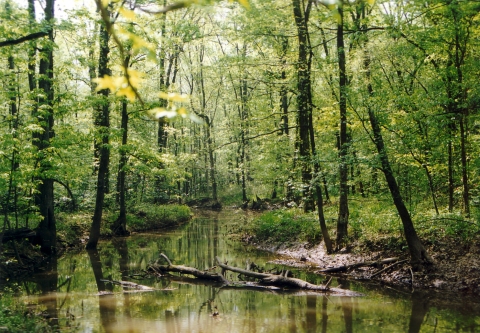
x,y
44,197
120,226
102,122
283,90
304,100
418,252
343,213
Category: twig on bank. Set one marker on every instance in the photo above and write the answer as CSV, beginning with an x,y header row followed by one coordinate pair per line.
x,y
388,267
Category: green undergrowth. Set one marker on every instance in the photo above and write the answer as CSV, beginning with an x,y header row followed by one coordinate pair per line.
x,y
17,317
71,226
285,226
373,224
150,217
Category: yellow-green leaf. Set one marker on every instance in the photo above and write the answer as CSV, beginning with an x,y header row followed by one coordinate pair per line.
x,y
174,97
159,113
106,82
127,92
127,13
244,3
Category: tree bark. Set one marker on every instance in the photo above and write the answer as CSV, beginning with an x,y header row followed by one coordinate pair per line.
x,y
44,197
102,122
120,226
418,253
304,99
343,212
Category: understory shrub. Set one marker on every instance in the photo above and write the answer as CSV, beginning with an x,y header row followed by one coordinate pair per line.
x,y
148,217
286,226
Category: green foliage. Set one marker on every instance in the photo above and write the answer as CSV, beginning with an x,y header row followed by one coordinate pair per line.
x,y
151,217
286,226
16,317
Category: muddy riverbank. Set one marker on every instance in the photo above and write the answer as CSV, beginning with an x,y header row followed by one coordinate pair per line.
x,y
456,268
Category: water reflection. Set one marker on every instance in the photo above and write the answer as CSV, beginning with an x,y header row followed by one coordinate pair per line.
x,y
106,299
182,304
47,283
311,315
420,308
347,307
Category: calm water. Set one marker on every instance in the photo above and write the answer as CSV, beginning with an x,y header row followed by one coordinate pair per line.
x,y
72,293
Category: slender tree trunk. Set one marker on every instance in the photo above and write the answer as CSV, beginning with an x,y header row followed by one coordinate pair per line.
x,y
162,133
463,150
418,252
283,90
44,197
318,189
120,225
32,50
451,184
102,122
304,99
343,212
243,109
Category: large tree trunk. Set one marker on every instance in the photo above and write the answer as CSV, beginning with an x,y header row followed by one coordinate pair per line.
x,y
304,99
343,213
44,197
102,122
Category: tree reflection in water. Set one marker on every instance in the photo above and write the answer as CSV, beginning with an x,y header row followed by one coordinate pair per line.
x,y
420,307
347,307
106,300
48,284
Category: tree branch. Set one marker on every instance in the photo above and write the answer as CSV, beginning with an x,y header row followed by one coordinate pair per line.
x,y
35,35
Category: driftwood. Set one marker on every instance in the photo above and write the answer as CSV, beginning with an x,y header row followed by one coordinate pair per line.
x,y
388,267
266,279
359,264
130,285
206,275
285,281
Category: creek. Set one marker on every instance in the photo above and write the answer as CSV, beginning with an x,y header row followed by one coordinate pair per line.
x,y
75,296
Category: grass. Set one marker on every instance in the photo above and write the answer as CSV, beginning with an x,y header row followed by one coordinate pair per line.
x,y
373,223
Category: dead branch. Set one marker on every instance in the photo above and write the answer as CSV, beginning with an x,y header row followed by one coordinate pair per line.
x,y
186,270
388,267
358,264
131,285
283,281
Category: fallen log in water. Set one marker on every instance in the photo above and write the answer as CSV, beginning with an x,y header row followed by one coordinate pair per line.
x,y
266,279
206,275
284,281
130,285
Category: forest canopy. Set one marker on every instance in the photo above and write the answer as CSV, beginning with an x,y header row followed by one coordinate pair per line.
x,y
112,104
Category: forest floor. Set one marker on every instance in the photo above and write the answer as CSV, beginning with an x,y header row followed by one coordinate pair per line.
x,y
456,267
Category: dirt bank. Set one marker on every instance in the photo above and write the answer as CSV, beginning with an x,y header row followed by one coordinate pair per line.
x,y
456,268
